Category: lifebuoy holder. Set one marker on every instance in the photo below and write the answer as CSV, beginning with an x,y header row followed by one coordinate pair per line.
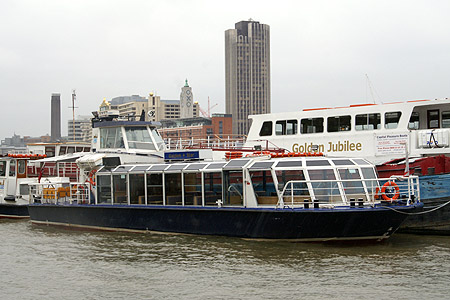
x,y
383,191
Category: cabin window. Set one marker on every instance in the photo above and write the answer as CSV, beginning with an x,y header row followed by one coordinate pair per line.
x,y
284,176
2,168
391,119
266,129
446,119
120,189
264,187
62,150
339,123
360,161
12,168
353,188
236,163
324,190
104,188
111,138
50,151
288,127
172,185
21,166
212,187
233,187
139,138
313,125
137,188
342,162
317,162
158,139
262,165
370,180
70,150
289,163
192,188
367,121
413,121
368,173
215,166
154,188
433,118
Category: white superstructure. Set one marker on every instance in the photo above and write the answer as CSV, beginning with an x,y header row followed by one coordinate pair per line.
x,y
378,132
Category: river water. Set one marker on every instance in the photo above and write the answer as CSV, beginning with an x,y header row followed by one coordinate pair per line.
x,y
40,262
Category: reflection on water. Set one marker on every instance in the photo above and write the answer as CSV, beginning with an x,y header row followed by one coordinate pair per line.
x,y
60,263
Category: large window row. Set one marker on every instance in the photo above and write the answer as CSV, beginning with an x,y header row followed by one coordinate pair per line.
x,y
333,124
370,121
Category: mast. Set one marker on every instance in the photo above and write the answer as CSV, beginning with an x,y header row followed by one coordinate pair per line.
x,y
73,113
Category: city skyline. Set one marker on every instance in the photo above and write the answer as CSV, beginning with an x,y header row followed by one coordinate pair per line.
x,y
320,53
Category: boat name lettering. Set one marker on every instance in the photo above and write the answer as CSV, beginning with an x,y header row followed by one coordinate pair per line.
x,y
181,155
330,147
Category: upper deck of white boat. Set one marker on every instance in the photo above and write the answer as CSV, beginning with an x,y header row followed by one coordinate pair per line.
x,y
375,131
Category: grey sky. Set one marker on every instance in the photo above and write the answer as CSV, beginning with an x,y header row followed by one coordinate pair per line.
x,y
320,53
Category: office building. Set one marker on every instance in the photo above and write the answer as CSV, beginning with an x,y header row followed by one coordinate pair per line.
x,y
80,129
247,72
55,131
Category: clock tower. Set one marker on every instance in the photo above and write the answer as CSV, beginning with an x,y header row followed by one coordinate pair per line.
x,y
186,102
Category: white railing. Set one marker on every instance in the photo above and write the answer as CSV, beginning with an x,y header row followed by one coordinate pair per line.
x,y
54,193
216,142
352,192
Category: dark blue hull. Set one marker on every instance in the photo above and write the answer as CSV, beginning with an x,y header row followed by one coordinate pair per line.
x,y
13,211
435,219
292,224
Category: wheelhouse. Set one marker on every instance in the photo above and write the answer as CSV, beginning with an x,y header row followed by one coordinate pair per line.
x,y
127,136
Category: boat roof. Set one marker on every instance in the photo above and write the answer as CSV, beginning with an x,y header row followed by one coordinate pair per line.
x,y
124,123
357,107
62,158
253,164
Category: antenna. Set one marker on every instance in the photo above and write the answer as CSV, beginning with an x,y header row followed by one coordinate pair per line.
x,y
372,90
74,96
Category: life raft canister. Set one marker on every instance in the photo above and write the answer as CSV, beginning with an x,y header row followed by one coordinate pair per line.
x,y
396,194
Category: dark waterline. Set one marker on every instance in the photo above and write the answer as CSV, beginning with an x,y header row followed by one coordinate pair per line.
x,y
53,263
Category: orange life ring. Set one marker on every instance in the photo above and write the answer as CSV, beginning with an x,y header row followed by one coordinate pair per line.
x,y
383,191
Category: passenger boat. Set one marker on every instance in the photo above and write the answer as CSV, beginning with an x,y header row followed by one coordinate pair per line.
x,y
303,198
19,171
115,141
401,138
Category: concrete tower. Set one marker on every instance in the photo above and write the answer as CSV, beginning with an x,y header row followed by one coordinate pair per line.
x,y
186,102
247,72
56,117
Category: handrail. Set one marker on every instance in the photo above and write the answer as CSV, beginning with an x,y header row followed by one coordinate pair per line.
x,y
367,192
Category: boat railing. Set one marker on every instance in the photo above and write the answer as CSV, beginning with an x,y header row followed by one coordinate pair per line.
x,y
349,192
52,169
60,193
210,142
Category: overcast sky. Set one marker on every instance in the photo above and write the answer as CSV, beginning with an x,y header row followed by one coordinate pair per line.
x,y
321,52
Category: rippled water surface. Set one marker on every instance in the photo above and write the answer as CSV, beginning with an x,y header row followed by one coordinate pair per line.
x,y
39,262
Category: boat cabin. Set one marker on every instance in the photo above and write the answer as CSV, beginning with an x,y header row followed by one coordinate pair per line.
x,y
245,182
379,132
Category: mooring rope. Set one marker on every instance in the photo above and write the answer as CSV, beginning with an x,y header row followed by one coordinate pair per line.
x,y
421,212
